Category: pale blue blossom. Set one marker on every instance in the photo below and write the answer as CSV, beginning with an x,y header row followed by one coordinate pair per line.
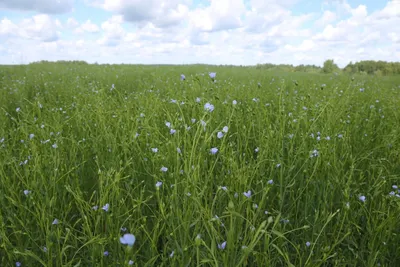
x,y
164,169
362,198
220,135
106,207
247,194
222,245
128,239
225,129
214,150
158,184
209,107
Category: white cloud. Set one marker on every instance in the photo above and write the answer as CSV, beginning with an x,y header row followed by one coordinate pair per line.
x,y
220,15
217,32
72,23
41,6
306,45
40,27
87,26
113,31
327,18
161,13
391,10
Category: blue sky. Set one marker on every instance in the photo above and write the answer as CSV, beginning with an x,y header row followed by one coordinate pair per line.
x,y
239,32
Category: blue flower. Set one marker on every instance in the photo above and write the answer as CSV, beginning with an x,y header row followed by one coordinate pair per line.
x,y
222,245
128,239
183,77
106,207
212,75
209,107
214,150
164,169
247,194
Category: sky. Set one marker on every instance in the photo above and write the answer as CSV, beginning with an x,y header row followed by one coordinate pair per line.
x,y
234,32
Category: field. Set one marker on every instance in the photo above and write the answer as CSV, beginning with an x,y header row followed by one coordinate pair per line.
x,y
252,168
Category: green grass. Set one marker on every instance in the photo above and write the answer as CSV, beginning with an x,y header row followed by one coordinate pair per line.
x,y
93,146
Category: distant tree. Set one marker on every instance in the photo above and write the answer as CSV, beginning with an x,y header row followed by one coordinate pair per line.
x,y
330,66
374,67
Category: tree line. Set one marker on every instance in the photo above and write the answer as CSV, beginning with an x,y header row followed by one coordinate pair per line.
x,y
366,67
370,67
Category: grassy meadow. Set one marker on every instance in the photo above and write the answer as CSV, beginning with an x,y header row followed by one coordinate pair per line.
x,y
256,168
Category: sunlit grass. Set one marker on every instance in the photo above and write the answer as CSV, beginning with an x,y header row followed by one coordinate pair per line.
x,y
285,169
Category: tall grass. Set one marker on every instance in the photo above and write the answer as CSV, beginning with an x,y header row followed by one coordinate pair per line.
x,y
319,154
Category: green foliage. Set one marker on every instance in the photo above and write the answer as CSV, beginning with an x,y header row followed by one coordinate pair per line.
x,y
374,67
330,66
289,68
307,146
